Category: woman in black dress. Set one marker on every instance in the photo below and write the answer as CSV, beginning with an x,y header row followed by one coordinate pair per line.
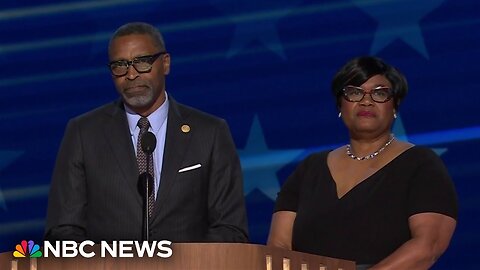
x,y
379,201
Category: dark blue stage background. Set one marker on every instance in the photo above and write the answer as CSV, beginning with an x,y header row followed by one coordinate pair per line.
x,y
263,65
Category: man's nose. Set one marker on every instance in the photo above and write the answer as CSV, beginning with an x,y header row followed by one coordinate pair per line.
x,y
132,73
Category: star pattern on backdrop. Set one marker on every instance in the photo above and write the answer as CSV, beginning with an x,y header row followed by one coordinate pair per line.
x,y
401,134
256,21
260,164
6,158
266,33
398,19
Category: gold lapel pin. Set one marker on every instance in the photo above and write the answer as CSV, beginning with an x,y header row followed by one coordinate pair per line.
x,y
185,128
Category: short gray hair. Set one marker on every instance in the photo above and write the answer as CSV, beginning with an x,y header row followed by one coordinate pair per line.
x,y
140,28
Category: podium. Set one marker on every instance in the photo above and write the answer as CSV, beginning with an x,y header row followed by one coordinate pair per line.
x,y
190,256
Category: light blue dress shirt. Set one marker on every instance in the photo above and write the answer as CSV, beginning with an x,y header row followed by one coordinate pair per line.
x,y
158,126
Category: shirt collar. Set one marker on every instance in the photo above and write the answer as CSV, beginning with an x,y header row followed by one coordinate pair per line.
x,y
156,118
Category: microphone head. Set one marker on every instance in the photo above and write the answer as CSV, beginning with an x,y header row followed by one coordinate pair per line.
x,y
143,179
149,142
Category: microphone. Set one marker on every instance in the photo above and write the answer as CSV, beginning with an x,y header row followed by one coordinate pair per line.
x,y
146,183
142,184
149,142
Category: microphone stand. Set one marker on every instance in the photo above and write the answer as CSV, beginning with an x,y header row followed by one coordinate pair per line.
x,y
148,144
148,190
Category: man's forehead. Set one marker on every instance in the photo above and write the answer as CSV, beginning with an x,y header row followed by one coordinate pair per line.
x,y
132,46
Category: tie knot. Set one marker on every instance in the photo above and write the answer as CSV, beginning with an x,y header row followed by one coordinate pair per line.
x,y
143,123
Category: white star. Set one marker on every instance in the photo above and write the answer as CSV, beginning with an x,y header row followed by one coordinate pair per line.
x,y
260,165
398,20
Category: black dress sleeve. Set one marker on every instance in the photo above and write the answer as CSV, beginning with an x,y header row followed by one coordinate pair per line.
x,y
431,188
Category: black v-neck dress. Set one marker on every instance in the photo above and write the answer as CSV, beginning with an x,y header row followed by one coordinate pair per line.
x,y
370,221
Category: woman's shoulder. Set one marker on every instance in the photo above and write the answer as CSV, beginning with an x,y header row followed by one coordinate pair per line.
x,y
416,157
312,162
418,153
316,157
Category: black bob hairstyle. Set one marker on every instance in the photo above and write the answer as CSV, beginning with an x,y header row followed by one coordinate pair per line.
x,y
359,70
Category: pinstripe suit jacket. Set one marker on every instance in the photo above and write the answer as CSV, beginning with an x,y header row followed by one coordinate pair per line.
x,y
94,192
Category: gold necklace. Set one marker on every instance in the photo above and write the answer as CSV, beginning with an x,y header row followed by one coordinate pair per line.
x,y
372,155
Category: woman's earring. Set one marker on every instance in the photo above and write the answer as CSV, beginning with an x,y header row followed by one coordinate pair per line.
x,y
395,115
340,115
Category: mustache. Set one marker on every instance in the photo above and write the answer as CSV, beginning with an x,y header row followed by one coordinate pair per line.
x,y
135,84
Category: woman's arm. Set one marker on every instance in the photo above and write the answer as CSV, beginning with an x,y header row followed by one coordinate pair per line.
x,y
431,234
281,229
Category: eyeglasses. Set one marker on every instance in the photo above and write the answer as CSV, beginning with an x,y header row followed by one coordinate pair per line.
x,y
142,64
378,94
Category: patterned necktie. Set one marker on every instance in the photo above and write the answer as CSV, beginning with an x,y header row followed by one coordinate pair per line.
x,y
142,160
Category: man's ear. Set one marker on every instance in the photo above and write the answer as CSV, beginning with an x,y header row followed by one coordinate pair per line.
x,y
166,64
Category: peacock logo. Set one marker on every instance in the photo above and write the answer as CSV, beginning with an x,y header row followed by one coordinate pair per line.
x,y
27,249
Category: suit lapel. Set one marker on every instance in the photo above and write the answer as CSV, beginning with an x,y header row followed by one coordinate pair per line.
x,y
176,144
117,135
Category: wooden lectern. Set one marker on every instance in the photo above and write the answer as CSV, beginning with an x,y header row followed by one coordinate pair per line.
x,y
190,256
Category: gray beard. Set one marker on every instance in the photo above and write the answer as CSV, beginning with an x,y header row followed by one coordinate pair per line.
x,y
139,101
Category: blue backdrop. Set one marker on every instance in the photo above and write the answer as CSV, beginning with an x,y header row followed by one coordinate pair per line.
x,y
265,66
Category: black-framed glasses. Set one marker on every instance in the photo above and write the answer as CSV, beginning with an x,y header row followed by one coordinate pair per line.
x,y
379,94
142,64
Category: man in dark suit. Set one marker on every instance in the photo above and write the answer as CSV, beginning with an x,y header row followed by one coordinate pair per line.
x,y
198,192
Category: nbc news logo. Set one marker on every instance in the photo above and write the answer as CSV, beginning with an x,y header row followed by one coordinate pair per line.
x,y
27,249
71,249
